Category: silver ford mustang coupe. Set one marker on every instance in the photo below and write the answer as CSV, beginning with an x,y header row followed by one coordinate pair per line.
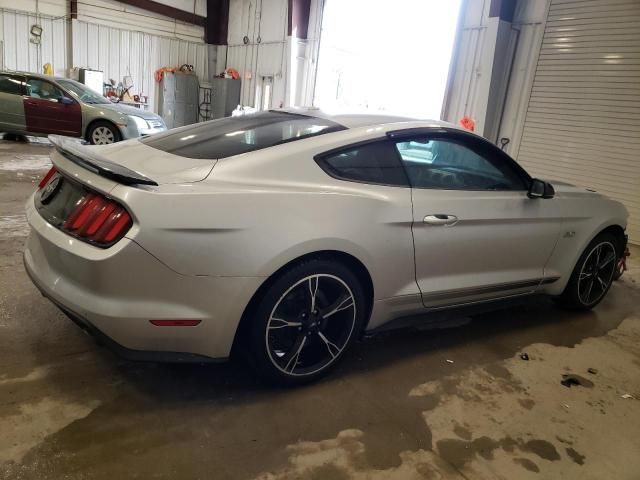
x,y
285,235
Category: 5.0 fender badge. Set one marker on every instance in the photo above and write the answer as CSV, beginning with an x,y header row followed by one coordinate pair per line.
x,y
50,190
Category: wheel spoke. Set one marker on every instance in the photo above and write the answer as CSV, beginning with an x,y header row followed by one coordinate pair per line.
x,y
313,290
342,303
584,275
588,294
330,345
602,283
281,323
293,358
607,259
598,252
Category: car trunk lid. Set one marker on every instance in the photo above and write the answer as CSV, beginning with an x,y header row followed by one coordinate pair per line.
x,y
133,163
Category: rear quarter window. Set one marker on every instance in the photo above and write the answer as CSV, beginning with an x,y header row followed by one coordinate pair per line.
x,y
10,84
235,135
373,162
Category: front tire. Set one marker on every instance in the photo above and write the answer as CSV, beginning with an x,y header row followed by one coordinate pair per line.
x,y
593,274
305,322
103,133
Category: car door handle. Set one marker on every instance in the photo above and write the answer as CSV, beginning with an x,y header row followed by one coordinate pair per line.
x,y
441,219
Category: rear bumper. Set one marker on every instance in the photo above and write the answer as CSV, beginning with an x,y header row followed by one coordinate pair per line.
x,y
128,353
114,292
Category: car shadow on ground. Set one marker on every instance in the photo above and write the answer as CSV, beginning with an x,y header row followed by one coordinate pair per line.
x,y
407,354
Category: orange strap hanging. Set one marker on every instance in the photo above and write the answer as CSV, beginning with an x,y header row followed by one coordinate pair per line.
x,y
233,73
160,71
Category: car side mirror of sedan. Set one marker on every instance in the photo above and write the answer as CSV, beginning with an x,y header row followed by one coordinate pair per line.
x,y
66,101
540,189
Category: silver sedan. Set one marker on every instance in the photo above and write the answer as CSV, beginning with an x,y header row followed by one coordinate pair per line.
x,y
285,235
41,105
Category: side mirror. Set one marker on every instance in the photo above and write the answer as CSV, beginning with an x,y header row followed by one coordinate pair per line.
x,y
540,189
66,101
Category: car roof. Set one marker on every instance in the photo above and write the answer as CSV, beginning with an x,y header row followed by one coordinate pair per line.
x,y
367,119
35,75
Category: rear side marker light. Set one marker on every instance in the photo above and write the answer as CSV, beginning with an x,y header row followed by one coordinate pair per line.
x,y
47,177
175,323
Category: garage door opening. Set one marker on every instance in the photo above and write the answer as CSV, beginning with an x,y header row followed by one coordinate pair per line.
x,y
391,57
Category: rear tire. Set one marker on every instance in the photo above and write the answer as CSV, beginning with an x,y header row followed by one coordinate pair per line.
x,y
593,274
103,133
307,319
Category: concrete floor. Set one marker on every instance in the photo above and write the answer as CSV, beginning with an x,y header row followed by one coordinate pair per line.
x,y
454,402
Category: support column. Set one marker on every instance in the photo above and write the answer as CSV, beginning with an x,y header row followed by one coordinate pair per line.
x,y
216,30
299,12
501,15
216,25
481,65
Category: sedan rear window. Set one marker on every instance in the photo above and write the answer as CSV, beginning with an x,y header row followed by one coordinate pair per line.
x,y
231,136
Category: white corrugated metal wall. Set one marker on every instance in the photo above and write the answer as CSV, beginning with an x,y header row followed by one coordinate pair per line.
x,y
264,23
18,53
124,52
288,61
583,118
114,14
123,40
108,36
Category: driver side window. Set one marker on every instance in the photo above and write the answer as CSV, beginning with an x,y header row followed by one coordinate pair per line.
x,y
42,89
448,164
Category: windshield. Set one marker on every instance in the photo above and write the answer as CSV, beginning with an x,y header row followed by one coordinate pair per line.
x,y
83,93
235,135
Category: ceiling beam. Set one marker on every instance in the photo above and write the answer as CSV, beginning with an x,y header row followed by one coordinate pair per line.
x,y
167,11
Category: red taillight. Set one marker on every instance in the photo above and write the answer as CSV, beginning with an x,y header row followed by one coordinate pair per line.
x,y
47,177
87,211
98,220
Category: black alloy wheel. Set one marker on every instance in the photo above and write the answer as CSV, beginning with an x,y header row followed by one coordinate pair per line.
x,y
307,319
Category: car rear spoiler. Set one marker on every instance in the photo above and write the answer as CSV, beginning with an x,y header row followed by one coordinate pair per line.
x,y
76,152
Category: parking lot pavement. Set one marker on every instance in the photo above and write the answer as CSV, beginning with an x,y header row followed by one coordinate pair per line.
x,y
452,400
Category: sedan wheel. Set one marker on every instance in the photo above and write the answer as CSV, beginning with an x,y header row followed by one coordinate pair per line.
x,y
306,321
103,133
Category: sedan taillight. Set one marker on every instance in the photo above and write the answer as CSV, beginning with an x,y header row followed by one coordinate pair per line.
x,y
98,220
